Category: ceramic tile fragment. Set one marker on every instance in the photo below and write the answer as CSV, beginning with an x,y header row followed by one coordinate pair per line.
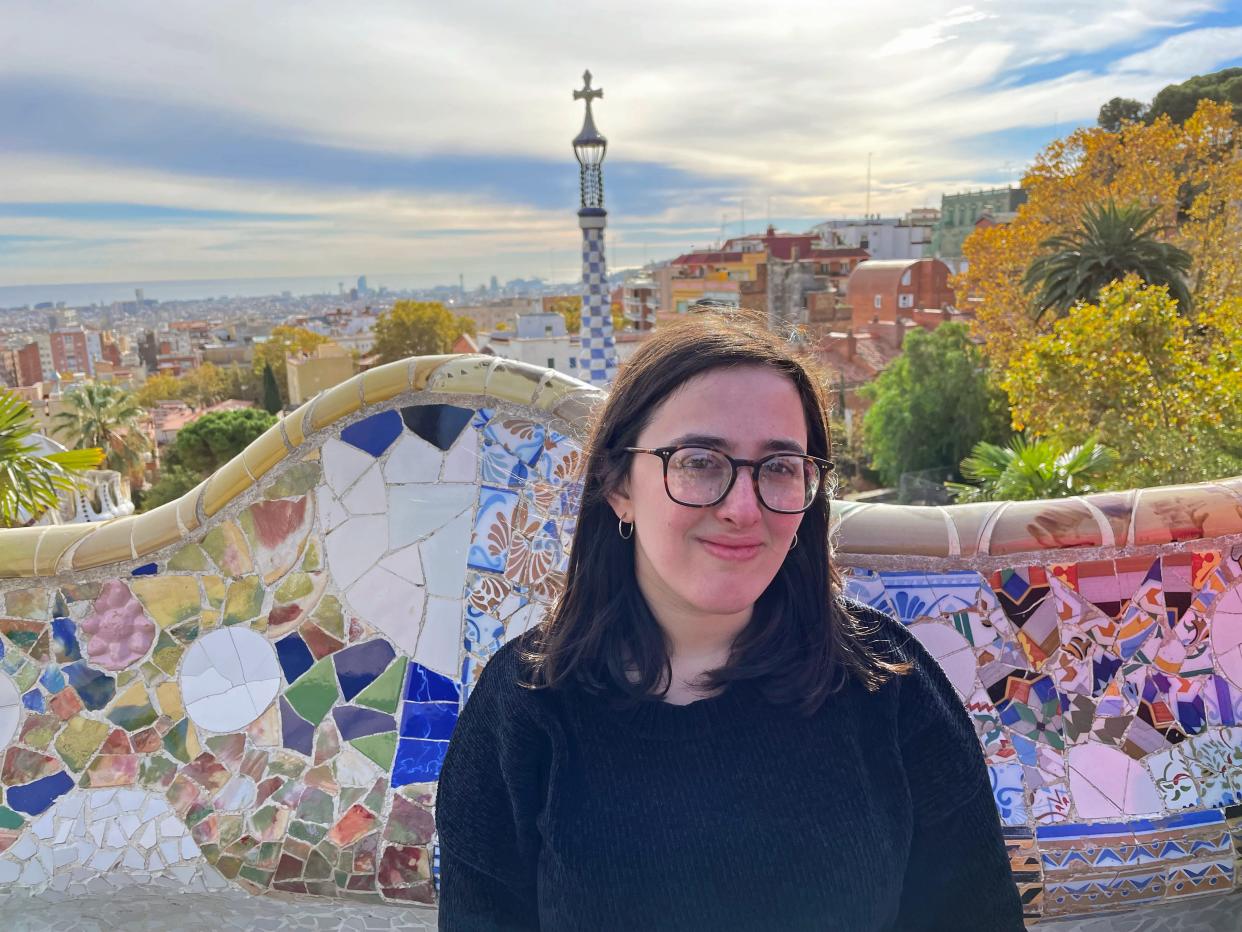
x,y
228,678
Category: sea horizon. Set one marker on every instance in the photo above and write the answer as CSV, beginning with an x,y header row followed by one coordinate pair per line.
x,y
83,294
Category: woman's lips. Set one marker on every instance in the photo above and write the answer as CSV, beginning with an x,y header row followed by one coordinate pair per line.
x,y
736,551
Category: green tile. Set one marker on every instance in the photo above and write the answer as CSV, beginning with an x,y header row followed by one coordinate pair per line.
x,y
189,557
10,819
315,692
244,601
79,742
380,748
385,692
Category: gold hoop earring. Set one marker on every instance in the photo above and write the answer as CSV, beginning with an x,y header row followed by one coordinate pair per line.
x,y
621,523
795,541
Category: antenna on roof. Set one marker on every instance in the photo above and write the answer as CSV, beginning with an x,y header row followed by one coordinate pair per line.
x,y
867,209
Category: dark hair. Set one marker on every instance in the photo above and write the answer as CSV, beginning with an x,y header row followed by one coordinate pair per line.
x,y
800,645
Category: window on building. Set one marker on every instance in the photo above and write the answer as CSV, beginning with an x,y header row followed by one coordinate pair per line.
x,y
573,362
905,277
905,300
551,363
547,330
877,301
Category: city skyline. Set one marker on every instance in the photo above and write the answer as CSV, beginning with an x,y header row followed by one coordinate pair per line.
x,y
151,144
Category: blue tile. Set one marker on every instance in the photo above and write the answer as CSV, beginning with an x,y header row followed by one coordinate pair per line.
x,y
417,761
65,640
33,700
439,425
95,688
359,665
431,720
34,798
52,679
375,434
147,569
354,722
295,657
426,685
296,733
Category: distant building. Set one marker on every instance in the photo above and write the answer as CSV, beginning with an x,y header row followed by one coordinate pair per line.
x,y
539,339
309,373
491,314
887,291
70,352
883,237
362,285
792,277
639,300
959,214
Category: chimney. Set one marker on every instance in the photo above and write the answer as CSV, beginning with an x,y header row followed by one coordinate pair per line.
x,y
851,343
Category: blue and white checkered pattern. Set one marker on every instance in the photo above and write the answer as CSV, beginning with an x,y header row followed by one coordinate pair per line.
x,y
598,362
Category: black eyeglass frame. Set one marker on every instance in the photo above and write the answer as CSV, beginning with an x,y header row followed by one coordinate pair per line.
x,y
666,454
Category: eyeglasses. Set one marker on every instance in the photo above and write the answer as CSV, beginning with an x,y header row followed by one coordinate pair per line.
x,y
700,477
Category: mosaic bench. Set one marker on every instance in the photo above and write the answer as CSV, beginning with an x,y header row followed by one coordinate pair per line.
x,y
253,687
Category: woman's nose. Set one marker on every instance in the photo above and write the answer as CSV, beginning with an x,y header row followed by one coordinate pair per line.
x,y
741,505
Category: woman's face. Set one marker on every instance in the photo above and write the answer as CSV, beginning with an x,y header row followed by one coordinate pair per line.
x,y
716,561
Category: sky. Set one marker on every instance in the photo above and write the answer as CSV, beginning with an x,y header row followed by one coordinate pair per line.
x,y
167,140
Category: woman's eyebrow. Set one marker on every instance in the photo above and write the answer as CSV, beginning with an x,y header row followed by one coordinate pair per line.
x,y
775,445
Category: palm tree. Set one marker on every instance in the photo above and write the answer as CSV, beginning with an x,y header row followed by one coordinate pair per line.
x,y
1111,243
106,416
1031,469
30,481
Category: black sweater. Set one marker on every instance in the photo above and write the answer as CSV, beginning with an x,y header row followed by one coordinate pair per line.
x,y
556,812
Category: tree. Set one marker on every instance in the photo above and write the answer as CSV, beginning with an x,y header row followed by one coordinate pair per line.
x,y
1179,101
1111,243
158,387
1029,469
1129,370
204,385
105,416
418,328
1191,173
173,482
30,481
204,445
271,391
569,307
282,342
931,405
1120,110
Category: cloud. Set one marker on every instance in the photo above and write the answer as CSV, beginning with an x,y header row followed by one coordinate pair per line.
x,y
385,123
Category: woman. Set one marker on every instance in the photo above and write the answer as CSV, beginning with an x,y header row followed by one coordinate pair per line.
x,y
704,734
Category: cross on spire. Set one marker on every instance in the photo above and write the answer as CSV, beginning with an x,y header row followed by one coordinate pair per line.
x,y
588,93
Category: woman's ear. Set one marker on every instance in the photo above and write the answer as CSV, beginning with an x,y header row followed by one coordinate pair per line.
x,y
620,501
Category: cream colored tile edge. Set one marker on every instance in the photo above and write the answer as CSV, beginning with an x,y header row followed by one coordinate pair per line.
x,y
44,551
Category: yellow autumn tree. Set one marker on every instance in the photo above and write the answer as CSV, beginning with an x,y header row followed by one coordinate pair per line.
x,y
1191,174
1130,371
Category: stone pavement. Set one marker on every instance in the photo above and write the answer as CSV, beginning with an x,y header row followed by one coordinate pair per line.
x,y
160,909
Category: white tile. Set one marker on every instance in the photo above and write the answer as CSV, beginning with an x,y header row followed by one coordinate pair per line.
x,y
414,511
444,557
413,459
331,512
9,872
367,495
439,647
405,563
461,464
24,848
356,546
391,604
343,464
